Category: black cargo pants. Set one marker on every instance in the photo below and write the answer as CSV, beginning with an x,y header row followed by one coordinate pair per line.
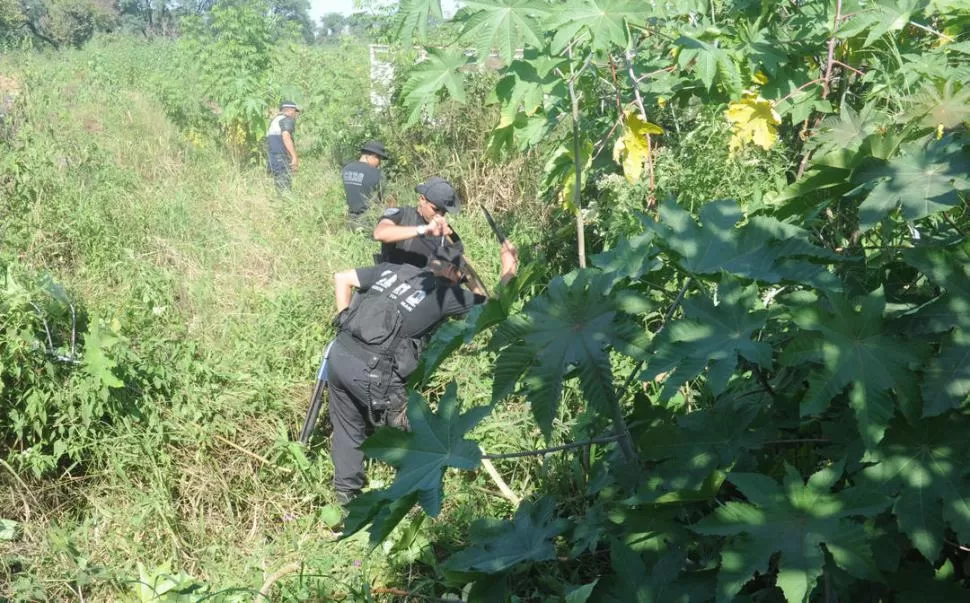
x,y
279,167
351,417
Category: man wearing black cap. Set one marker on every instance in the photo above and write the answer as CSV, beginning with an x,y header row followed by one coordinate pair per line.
x,y
363,182
411,235
279,145
380,334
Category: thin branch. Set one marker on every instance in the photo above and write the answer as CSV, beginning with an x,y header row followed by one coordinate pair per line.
x,y
40,315
574,75
615,438
957,545
654,31
601,145
653,73
803,165
954,224
616,87
643,114
544,451
34,30
797,90
16,476
849,67
622,430
252,455
499,482
932,31
673,307
289,568
831,57
764,382
73,332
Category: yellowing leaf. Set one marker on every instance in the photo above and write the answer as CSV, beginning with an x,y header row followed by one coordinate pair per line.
x,y
632,149
753,119
560,172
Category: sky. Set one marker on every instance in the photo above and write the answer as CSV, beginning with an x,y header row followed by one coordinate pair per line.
x,y
319,8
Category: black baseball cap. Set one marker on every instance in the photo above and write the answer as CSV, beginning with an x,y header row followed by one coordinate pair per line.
x,y
288,104
440,193
375,147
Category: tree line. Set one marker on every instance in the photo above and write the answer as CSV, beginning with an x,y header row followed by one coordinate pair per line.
x,y
66,23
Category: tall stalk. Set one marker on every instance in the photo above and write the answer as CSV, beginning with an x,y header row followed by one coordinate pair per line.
x,y
577,203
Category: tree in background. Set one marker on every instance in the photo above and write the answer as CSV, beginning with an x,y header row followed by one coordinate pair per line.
x,y
292,16
73,22
56,22
12,19
331,26
152,17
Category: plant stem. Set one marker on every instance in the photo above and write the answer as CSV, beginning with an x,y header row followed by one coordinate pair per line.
x,y
764,382
831,57
932,31
289,568
499,482
580,226
620,428
849,67
16,476
252,455
673,307
643,115
543,451
797,90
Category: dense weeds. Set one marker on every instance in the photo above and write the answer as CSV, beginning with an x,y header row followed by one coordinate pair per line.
x,y
163,308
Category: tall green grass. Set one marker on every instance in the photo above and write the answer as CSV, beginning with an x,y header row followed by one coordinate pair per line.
x,y
222,290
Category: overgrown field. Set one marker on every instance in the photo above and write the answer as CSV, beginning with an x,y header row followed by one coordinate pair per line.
x,y
733,366
151,435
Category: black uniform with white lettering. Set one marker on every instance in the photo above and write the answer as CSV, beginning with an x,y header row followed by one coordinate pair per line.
x,y
395,307
415,251
362,184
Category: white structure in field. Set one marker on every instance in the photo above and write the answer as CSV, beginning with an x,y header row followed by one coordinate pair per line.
x,y
381,76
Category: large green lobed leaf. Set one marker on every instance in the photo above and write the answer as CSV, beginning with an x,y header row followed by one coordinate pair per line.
x,y
574,324
436,441
793,520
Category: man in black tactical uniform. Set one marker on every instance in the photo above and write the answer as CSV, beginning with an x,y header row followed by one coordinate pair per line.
x,y
363,182
280,148
411,235
381,331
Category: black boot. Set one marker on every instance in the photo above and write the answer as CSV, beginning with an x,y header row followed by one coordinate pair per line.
x,y
345,497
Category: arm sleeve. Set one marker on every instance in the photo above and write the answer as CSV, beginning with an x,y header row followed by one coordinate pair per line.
x,y
460,301
287,124
392,214
367,276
